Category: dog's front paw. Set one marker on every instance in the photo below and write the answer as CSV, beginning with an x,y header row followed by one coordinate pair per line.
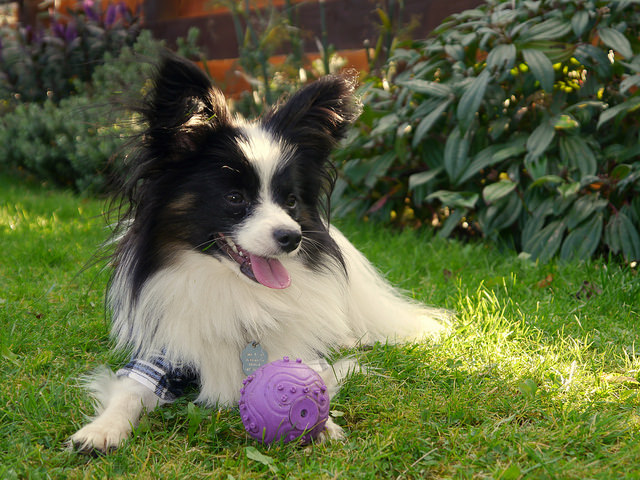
x,y
332,431
100,436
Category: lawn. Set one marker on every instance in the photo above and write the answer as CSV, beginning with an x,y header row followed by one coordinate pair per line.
x,y
538,377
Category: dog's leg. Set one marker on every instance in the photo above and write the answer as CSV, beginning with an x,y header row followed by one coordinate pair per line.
x,y
379,312
119,403
333,376
332,431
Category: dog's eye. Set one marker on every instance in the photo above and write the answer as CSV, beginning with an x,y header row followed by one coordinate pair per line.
x,y
234,198
291,201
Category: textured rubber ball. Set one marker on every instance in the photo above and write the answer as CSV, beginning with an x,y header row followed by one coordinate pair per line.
x,y
284,401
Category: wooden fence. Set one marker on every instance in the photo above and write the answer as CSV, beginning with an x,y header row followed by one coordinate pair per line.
x,y
349,24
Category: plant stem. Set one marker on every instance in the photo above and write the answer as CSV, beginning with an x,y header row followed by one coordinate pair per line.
x,y
324,37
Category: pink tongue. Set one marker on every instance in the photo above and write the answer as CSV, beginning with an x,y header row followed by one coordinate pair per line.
x,y
270,272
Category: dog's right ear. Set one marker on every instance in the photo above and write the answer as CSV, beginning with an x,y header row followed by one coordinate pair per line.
x,y
182,102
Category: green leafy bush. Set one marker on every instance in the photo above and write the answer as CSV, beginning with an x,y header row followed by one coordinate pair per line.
x,y
75,143
515,121
43,63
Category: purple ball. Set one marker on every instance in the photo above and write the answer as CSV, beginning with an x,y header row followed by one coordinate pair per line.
x,y
284,401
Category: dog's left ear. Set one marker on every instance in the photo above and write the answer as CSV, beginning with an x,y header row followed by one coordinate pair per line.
x,y
318,115
181,105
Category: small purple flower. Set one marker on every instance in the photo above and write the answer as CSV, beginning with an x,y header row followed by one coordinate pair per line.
x,y
110,15
71,34
90,10
122,9
58,29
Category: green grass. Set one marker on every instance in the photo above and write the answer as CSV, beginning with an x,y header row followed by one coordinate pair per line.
x,y
538,378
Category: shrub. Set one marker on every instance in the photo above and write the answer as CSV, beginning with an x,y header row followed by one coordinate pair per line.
x,y
514,121
45,63
76,143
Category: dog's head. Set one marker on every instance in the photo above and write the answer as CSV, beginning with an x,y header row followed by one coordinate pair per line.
x,y
249,194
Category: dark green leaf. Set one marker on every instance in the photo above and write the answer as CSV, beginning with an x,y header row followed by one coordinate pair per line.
x,y
357,169
456,151
401,144
455,199
500,214
495,191
622,108
595,104
540,139
550,29
584,207
369,115
580,22
385,124
621,235
593,58
503,17
427,122
582,242
493,155
533,225
528,387
254,454
472,98
567,191
499,126
455,51
555,51
588,180
623,153
451,222
421,178
576,152
621,171
378,168
547,241
426,87
195,414
425,107
541,67
565,122
616,41
405,55
630,82
502,57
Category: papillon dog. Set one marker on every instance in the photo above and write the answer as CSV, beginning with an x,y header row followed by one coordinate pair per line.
x,y
224,256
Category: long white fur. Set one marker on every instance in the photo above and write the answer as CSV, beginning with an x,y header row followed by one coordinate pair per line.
x,y
202,311
119,403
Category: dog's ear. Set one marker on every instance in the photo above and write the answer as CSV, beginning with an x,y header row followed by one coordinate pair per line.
x,y
181,102
318,115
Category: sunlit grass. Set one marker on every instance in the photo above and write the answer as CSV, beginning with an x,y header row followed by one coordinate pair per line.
x,y
538,377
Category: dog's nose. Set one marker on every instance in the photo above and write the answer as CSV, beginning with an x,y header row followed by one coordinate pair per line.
x,y
288,240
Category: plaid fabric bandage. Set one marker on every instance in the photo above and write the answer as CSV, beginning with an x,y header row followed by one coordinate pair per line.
x,y
158,375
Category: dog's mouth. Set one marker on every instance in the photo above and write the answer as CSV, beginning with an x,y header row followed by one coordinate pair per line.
x,y
267,271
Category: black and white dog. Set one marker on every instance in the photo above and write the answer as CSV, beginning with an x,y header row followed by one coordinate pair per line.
x,y
225,244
